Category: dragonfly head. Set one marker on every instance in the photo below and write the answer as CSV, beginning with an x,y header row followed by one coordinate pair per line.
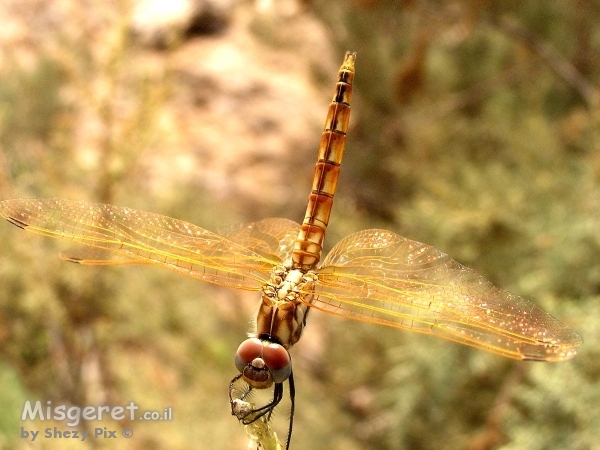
x,y
262,362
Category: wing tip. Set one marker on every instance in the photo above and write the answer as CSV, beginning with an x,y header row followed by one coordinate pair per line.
x,y
556,352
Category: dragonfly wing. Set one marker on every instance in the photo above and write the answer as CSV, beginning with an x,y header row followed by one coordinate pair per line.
x,y
146,237
380,277
272,237
94,256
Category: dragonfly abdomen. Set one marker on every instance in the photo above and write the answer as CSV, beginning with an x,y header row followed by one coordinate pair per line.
x,y
308,245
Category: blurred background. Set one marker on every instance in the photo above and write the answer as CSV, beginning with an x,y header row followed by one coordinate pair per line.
x,y
475,128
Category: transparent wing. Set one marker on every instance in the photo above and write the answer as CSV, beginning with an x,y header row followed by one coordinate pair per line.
x,y
146,238
94,256
272,237
380,277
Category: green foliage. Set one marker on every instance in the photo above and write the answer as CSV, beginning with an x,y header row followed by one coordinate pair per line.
x,y
482,164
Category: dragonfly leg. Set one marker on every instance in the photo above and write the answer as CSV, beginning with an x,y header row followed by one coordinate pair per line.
x,y
293,404
247,414
243,410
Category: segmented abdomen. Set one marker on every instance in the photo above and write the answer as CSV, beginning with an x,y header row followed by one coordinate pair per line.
x,y
308,246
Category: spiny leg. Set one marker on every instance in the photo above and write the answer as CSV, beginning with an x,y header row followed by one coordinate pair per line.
x,y
242,409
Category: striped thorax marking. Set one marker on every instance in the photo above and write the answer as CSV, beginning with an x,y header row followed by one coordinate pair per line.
x,y
285,304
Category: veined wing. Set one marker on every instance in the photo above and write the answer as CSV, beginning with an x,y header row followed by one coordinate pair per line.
x,y
380,277
148,238
94,256
274,237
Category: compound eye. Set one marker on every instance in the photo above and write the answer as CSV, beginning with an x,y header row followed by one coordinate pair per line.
x,y
277,360
253,352
247,352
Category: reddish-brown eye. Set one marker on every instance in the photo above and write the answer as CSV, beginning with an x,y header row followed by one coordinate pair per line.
x,y
278,361
246,353
255,352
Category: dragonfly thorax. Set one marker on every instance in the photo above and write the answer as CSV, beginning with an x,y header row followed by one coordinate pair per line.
x,y
286,299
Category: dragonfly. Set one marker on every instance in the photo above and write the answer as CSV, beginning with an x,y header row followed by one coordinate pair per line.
x,y
374,276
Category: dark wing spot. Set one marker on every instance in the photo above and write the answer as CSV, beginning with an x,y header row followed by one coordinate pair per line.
x,y
17,222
